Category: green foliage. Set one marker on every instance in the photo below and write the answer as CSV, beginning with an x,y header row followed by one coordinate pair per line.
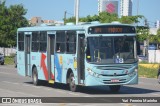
x,y
105,17
11,18
157,38
142,33
9,60
71,19
147,72
130,19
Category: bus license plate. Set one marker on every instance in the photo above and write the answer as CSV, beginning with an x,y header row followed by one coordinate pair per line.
x,y
114,80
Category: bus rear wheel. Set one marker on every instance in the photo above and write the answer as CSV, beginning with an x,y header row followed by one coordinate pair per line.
x,y
35,76
115,88
72,85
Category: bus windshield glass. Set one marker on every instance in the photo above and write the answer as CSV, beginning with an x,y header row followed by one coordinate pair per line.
x,y
103,50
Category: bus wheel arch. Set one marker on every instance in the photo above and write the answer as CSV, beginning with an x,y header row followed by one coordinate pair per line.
x,y
35,75
68,74
71,81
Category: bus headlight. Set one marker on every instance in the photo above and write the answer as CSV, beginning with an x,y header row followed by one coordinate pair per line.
x,y
133,72
92,73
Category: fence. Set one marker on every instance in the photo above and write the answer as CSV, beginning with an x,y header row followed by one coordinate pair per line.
x,y
154,56
7,51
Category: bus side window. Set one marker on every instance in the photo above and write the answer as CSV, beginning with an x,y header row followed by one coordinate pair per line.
x,y
60,41
43,41
58,49
21,41
35,41
71,42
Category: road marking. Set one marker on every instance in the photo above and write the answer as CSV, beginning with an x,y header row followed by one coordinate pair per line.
x,y
18,92
150,84
11,82
73,94
8,68
155,94
7,73
20,84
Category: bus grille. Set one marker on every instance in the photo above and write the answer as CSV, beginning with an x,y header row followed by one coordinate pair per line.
x,y
115,67
114,75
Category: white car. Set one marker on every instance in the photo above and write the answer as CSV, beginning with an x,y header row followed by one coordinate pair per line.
x,y
1,59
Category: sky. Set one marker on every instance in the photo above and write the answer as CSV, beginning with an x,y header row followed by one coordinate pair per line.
x,y
54,9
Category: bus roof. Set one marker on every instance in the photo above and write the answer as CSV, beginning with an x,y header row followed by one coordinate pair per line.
x,y
67,27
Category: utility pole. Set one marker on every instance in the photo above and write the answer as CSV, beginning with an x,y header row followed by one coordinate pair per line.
x,y
77,11
65,14
137,9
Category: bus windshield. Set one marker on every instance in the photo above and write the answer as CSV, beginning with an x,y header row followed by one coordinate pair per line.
x,y
103,50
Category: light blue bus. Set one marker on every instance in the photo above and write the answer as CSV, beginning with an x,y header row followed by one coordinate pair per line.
x,y
87,54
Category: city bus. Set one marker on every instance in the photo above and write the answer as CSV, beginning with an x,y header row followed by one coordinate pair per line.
x,y
92,54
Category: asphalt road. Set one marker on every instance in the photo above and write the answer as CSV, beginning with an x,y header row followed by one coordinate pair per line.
x,y
14,85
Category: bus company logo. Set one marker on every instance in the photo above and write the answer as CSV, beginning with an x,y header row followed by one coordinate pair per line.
x,y
110,8
6,100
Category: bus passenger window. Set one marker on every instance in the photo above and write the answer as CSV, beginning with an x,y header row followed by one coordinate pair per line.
x,y
71,42
60,41
43,41
58,49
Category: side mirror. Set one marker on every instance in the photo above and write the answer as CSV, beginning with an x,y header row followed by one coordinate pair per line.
x,y
138,48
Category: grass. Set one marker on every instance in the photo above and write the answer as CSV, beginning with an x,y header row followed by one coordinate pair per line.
x,y
9,60
148,71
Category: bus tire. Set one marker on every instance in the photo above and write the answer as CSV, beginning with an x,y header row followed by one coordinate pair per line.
x,y
115,88
72,85
35,76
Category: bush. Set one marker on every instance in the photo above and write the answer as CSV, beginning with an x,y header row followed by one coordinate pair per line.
x,y
148,72
9,60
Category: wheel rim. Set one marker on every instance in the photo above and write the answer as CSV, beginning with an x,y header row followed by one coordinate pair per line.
x,y
72,82
34,78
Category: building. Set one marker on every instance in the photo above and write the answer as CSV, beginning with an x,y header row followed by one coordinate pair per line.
x,y
157,24
35,21
110,6
1,1
126,8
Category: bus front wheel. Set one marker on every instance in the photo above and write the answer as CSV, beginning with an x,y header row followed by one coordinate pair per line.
x,y
115,88
35,76
72,85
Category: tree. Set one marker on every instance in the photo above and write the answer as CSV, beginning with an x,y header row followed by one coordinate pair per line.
x,y
105,17
158,36
142,33
130,19
11,19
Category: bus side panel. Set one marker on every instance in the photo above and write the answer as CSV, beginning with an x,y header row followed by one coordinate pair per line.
x,y
40,63
64,62
20,63
43,71
58,67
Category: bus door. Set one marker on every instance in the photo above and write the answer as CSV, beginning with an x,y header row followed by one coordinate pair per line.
x,y
27,52
80,57
50,55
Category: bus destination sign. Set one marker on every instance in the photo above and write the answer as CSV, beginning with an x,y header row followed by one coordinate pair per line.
x,y
116,29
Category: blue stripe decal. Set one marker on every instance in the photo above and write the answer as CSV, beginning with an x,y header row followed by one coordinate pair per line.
x,y
58,68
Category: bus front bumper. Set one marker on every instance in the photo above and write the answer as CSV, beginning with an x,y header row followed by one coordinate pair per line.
x,y
112,80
